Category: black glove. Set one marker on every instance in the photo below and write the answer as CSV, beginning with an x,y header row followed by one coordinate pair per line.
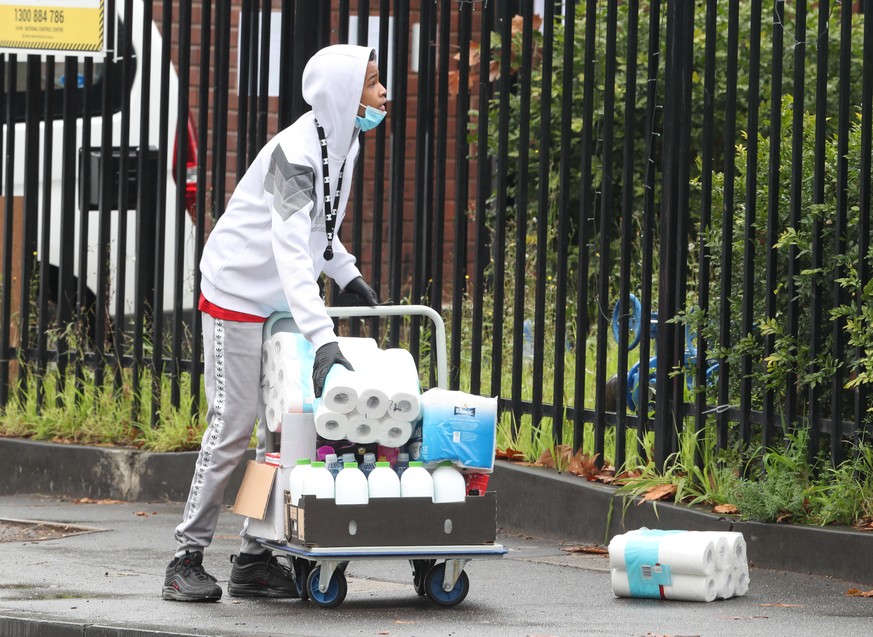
x,y
326,357
357,293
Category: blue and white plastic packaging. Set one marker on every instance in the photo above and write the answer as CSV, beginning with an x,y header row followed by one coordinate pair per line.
x,y
459,427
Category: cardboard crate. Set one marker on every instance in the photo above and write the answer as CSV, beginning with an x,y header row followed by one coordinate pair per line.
x,y
318,523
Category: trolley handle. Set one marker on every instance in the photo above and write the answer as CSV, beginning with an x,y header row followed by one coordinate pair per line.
x,y
381,311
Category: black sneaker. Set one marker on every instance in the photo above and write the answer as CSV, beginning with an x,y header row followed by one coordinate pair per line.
x,y
260,576
186,581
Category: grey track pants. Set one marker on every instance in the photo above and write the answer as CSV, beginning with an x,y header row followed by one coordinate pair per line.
x,y
232,361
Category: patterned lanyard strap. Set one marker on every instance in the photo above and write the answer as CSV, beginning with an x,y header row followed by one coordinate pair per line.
x,y
331,204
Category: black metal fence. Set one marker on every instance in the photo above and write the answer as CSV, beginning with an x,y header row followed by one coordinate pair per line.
x,y
690,177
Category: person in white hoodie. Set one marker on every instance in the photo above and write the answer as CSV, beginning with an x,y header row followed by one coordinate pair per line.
x,y
265,254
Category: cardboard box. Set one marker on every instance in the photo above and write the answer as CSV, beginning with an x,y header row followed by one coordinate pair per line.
x,y
254,492
392,522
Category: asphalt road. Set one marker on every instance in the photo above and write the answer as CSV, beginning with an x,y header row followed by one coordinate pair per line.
x,y
109,582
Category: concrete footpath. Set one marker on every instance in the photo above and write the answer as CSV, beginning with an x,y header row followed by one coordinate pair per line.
x,y
107,583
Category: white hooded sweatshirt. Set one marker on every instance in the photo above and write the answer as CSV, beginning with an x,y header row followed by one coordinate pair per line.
x,y
266,251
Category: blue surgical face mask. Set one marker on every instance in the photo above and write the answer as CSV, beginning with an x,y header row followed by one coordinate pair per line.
x,y
371,119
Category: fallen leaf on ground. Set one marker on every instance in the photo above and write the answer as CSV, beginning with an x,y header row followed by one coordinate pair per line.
x,y
784,517
586,548
864,524
659,492
854,592
401,621
92,501
725,508
781,605
141,514
584,465
509,454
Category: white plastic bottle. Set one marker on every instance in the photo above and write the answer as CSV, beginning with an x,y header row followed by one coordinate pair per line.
x,y
351,485
295,479
383,482
448,484
318,481
416,481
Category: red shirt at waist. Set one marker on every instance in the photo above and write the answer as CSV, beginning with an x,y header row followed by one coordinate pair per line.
x,y
229,315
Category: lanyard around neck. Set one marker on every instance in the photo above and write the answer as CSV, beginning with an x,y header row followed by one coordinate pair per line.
x,y
331,204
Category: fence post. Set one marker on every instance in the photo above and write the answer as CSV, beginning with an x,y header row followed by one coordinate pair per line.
x,y
669,406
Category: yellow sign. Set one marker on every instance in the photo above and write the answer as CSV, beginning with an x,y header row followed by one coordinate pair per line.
x,y
52,26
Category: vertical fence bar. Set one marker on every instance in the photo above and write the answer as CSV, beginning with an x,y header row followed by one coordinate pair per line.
x,y
519,338
441,170
818,197
649,214
838,324
84,311
773,195
144,226
10,63
66,292
286,63
244,70
606,221
220,98
706,151
249,91
264,75
119,341
343,26
664,422
162,213
686,51
481,250
750,239
181,168
627,221
201,211
105,203
563,213
45,235
398,158
459,268
357,227
796,201
27,236
379,169
727,230
862,393
422,210
583,222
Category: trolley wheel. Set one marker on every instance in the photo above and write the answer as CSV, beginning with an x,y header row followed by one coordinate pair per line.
x,y
301,569
433,586
419,570
336,590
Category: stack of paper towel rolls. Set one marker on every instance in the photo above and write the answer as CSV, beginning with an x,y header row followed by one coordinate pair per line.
x,y
286,373
697,566
378,402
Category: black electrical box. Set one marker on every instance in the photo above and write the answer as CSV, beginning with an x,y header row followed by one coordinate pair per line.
x,y
89,192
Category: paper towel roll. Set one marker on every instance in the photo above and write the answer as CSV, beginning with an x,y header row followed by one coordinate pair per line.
x,y
361,429
357,349
736,547
725,584
341,389
688,553
394,433
284,345
689,588
268,360
722,549
372,402
330,424
401,381
741,580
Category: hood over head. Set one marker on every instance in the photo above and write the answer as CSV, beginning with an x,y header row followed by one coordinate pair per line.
x,y
332,84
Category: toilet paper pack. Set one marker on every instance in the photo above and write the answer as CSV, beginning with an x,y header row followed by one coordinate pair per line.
x,y
460,427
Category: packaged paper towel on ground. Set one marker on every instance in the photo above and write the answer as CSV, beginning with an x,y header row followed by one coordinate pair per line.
x,y
459,427
697,566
